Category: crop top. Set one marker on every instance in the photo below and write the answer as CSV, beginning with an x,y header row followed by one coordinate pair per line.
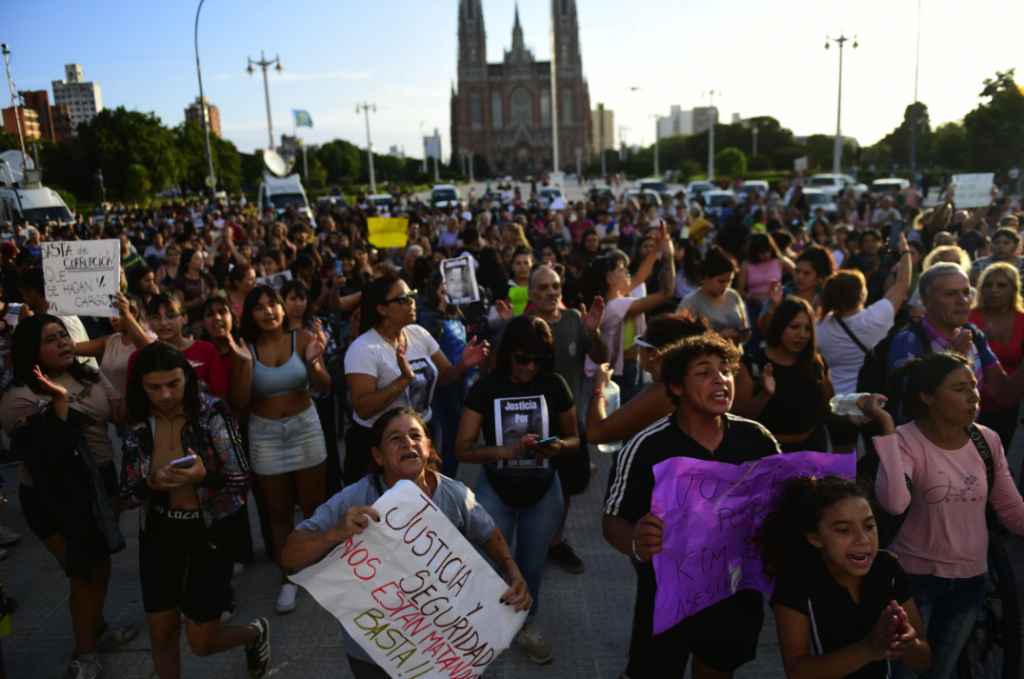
x,y
285,379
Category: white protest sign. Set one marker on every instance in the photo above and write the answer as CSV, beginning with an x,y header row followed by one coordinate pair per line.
x,y
460,279
276,280
414,593
82,276
973,190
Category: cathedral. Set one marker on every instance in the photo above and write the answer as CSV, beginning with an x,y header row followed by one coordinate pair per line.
x,y
503,111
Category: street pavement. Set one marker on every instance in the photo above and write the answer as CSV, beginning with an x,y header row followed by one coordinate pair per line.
x,y
586,618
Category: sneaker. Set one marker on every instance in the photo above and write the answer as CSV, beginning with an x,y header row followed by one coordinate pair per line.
x,y
85,667
530,640
565,557
257,656
115,636
238,569
286,598
230,608
8,536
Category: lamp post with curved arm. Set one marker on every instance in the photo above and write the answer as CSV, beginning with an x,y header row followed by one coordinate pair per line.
x,y
211,180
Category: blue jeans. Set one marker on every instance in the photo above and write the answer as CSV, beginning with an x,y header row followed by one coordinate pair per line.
x,y
628,381
446,409
533,526
949,608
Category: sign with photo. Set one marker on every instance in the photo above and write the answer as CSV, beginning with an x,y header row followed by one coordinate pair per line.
x,y
516,417
460,279
275,281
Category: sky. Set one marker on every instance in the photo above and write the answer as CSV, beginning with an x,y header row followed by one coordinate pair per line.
x,y
761,57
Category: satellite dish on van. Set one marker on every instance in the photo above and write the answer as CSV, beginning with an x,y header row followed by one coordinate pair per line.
x,y
11,169
275,164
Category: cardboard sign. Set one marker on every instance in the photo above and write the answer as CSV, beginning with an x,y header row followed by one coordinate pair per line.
x,y
973,190
82,276
709,508
460,277
275,281
388,232
414,593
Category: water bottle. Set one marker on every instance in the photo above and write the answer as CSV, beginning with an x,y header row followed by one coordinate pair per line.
x,y
612,397
846,404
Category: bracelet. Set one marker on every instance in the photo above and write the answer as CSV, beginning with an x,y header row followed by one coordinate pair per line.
x,y
597,392
313,364
635,555
507,558
392,385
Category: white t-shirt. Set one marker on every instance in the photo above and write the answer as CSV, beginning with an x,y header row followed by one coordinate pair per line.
x,y
372,355
842,354
611,330
77,332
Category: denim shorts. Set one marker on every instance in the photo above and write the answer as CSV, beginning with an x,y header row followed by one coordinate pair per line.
x,y
286,445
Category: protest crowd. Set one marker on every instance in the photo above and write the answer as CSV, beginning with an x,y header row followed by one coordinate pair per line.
x,y
318,360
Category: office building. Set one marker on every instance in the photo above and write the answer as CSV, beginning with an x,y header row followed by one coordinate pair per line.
x,y
30,127
84,100
194,114
677,122
54,121
595,130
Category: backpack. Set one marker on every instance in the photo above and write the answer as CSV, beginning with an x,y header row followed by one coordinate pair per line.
x,y
889,524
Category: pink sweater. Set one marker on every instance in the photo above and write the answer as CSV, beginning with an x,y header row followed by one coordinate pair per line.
x,y
944,534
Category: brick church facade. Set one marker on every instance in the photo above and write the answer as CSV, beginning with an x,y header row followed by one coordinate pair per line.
x,y
503,111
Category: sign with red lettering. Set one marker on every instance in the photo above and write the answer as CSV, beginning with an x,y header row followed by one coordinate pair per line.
x,y
81,276
414,593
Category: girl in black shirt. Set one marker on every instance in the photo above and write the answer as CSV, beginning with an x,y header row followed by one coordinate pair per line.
x,y
843,607
792,382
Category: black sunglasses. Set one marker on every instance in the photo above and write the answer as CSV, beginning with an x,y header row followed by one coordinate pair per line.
x,y
404,298
523,359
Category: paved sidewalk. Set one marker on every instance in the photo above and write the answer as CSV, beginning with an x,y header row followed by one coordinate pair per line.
x,y
586,618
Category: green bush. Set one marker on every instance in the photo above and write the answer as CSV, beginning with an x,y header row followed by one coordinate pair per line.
x,y
759,163
730,161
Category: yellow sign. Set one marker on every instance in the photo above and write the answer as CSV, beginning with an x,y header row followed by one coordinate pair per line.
x,y
390,232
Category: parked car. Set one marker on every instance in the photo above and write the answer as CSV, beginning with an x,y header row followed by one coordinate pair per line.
x,y
836,185
445,195
715,201
653,198
882,186
548,194
656,185
693,187
748,189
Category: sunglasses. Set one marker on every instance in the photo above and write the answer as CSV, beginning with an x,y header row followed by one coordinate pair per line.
x,y
404,298
523,359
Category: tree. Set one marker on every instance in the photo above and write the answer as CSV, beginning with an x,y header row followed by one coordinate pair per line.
x,y
342,161
879,154
995,129
950,146
899,139
731,162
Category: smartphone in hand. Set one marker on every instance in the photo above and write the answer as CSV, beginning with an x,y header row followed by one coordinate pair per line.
x,y
894,234
183,462
544,441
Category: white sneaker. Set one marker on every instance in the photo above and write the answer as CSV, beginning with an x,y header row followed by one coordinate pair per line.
x,y
85,667
8,536
286,598
238,569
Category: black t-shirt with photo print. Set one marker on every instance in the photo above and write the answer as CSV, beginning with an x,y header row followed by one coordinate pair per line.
x,y
523,409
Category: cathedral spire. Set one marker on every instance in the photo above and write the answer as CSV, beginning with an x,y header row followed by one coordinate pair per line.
x,y
517,33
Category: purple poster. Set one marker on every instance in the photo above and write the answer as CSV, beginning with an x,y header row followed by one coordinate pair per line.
x,y
709,509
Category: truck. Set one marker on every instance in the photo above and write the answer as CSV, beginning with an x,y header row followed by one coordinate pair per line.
x,y
280,192
23,196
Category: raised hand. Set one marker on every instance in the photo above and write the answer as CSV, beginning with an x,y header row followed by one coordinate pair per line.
x,y
403,364
961,343
871,406
505,310
768,379
319,343
120,302
602,376
240,349
775,292
51,388
474,354
592,317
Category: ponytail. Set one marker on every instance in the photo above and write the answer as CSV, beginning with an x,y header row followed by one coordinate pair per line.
x,y
797,512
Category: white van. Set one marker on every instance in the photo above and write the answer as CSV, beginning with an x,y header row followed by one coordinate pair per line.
x,y
29,200
282,192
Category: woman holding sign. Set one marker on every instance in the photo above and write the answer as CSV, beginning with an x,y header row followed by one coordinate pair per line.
x,y
402,451
394,362
698,375
527,415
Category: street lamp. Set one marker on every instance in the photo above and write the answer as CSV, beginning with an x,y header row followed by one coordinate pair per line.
x,y
365,109
211,179
14,102
657,136
837,149
263,63
755,131
917,106
713,114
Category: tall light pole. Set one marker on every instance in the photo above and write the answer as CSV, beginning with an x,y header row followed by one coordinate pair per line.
x,y
837,150
263,63
755,131
424,148
917,106
713,115
365,109
14,103
600,122
657,136
211,179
